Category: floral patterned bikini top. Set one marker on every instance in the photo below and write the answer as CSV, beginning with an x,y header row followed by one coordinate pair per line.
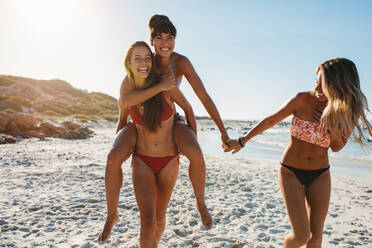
x,y
310,132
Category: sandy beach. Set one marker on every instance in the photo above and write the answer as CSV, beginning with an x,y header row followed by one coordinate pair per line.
x,y
53,195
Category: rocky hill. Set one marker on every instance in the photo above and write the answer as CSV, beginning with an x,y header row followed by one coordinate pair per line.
x,y
54,99
27,106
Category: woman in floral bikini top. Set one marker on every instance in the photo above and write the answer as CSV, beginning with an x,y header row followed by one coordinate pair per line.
x,y
322,118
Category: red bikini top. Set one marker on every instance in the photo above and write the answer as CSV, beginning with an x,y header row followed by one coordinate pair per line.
x,y
137,117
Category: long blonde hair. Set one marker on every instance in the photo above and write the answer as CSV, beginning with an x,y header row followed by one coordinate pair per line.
x,y
153,107
347,104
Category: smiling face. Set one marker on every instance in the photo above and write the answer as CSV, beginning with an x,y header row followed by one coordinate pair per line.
x,y
141,62
163,44
318,87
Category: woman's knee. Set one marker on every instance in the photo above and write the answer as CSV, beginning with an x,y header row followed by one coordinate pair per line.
x,y
187,144
193,151
316,240
114,159
126,138
148,220
160,220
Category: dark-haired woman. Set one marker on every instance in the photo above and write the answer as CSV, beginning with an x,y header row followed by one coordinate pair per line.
x,y
322,118
155,157
168,62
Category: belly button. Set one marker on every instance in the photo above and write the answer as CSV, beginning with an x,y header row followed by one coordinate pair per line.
x,y
309,158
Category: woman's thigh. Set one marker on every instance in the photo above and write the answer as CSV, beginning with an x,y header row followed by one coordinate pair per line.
x,y
166,180
318,195
186,140
144,183
126,138
294,199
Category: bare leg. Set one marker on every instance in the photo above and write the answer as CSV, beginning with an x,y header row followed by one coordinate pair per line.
x,y
123,146
166,179
188,145
144,183
317,196
294,199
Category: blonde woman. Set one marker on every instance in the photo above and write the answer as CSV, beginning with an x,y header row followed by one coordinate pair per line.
x,y
322,118
155,156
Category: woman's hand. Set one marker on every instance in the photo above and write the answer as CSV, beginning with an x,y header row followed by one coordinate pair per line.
x,y
225,140
234,146
167,83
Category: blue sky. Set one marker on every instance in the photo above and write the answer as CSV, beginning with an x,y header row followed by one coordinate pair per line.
x,y
251,55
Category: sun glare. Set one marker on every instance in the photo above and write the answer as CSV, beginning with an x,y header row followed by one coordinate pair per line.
x,y
45,16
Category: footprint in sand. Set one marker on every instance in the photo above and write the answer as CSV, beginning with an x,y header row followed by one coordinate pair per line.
x,y
270,206
243,228
338,239
276,231
263,237
182,233
334,215
261,227
193,222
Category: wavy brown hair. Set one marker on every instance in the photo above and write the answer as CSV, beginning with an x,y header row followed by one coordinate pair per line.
x,y
153,107
161,24
346,107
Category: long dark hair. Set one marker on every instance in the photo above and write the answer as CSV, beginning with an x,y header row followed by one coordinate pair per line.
x,y
153,107
161,24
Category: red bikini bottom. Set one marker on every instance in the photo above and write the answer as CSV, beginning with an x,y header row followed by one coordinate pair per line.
x,y
155,163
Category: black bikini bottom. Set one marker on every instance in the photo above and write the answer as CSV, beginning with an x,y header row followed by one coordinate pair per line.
x,y
306,177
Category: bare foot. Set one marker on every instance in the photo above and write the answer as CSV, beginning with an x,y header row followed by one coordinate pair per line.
x,y
205,216
105,234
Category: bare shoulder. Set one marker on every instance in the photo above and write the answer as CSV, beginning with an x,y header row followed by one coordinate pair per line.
x,y
302,97
180,59
126,81
126,85
300,101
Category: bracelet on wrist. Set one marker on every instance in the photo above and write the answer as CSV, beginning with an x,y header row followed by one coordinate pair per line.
x,y
241,142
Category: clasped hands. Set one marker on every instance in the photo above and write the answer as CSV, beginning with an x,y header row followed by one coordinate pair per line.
x,y
233,145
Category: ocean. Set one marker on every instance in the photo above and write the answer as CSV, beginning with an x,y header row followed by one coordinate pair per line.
x,y
352,160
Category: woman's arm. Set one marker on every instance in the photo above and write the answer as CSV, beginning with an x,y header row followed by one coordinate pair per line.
x,y
123,119
177,96
198,87
129,96
337,143
268,122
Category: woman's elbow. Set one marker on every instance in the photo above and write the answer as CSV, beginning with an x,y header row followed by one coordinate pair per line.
x,y
189,111
123,104
337,147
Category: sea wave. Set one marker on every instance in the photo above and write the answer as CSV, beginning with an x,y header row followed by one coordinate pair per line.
x,y
273,143
340,155
278,131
